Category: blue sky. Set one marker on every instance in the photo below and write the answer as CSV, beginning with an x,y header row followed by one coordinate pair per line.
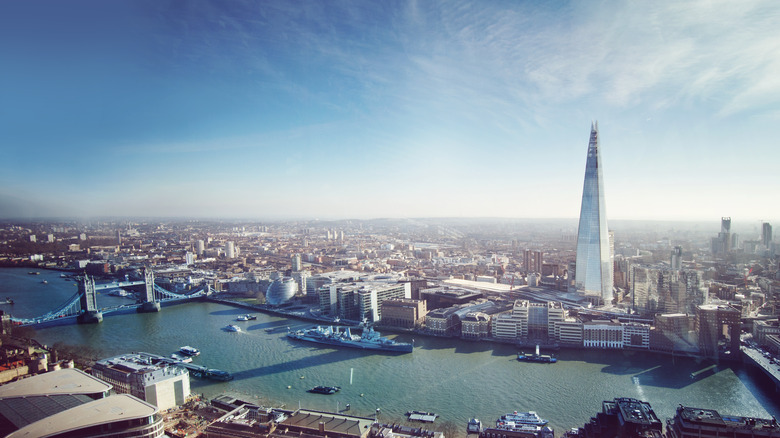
x,y
388,109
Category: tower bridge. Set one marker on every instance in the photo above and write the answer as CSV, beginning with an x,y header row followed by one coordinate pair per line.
x,y
83,307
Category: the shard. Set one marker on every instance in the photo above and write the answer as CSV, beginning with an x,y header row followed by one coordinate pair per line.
x,y
593,271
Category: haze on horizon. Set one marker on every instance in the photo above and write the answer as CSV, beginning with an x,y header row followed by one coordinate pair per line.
x,y
404,109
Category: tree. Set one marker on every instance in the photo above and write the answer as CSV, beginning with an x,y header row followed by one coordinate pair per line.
x,y
449,429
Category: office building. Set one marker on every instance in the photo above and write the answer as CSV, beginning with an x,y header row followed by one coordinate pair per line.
x,y
723,244
594,262
138,374
296,262
676,258
230,250
763,329
766,234
719,328
602,334
533,261
404,313
675,332
537,322
361,300
655,290
200,247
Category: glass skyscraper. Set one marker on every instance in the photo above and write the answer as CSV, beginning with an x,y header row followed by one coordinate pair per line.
x,y
593,272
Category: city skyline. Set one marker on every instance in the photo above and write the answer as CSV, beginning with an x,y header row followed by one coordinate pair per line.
x,y
358,110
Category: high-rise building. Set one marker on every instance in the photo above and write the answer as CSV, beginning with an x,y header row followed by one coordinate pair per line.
x,y
296,262
200,246
718,327
766,234
230,250
723,244
594,264
533,261
676,260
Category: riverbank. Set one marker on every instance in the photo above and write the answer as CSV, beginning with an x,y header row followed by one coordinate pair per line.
x,y
307,316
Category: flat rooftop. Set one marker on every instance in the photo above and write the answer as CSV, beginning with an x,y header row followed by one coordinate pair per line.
x,y
107,410
342,424
64,381
636,411
482,286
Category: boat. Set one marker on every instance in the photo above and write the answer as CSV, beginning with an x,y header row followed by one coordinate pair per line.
x,y
34,273
474,426
120,293
181,358
44,282
343,337
8,300
325,389
408,413
426,417
218,375
536,357
189,351
246,317
233,328
63,276
515,419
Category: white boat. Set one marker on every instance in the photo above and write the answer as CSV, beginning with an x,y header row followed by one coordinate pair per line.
x,y
528,418
233,328
119,293
189,351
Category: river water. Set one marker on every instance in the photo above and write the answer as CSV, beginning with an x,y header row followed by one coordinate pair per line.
x,y
456,379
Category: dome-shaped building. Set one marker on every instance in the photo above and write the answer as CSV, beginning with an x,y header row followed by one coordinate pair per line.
x,y
281,291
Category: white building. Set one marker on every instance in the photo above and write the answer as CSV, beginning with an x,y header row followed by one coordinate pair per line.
x,y
602,334
230,249
143,376
636,335
296,262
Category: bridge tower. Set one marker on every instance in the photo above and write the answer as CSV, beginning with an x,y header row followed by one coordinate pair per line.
x,y
150,304
89,309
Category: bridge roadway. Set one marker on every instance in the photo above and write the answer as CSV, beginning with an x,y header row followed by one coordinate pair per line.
x,y
119,284
107,311
772,370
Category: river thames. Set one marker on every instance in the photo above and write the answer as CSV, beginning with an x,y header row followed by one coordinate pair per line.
x,y
456,379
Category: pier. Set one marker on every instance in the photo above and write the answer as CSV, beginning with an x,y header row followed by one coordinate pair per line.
x,y
195,370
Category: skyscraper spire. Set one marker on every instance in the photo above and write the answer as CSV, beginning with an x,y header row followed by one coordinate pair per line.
x,y
593,271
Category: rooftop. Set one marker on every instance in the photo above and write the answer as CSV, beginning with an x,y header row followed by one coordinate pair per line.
x,y
64,381
341,424
103,411
636,411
